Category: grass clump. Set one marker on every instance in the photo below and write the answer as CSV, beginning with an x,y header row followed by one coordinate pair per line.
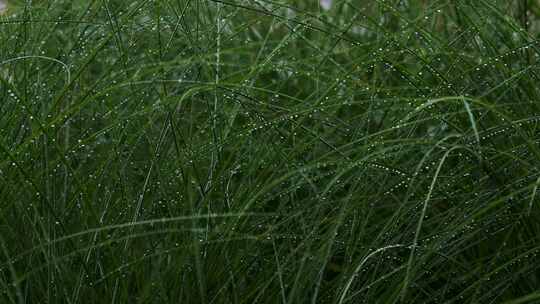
x,y
269,152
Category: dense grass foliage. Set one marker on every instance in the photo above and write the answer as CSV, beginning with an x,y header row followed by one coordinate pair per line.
x,y
208,151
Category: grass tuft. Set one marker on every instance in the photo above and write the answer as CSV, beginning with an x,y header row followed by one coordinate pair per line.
x,y
209,151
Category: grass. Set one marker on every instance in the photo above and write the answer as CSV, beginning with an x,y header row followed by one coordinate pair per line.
x,y
208,151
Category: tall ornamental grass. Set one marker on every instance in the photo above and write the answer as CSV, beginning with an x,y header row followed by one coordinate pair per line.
x,y
209,151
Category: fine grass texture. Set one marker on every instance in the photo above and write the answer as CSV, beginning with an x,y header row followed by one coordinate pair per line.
x,y
209,151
